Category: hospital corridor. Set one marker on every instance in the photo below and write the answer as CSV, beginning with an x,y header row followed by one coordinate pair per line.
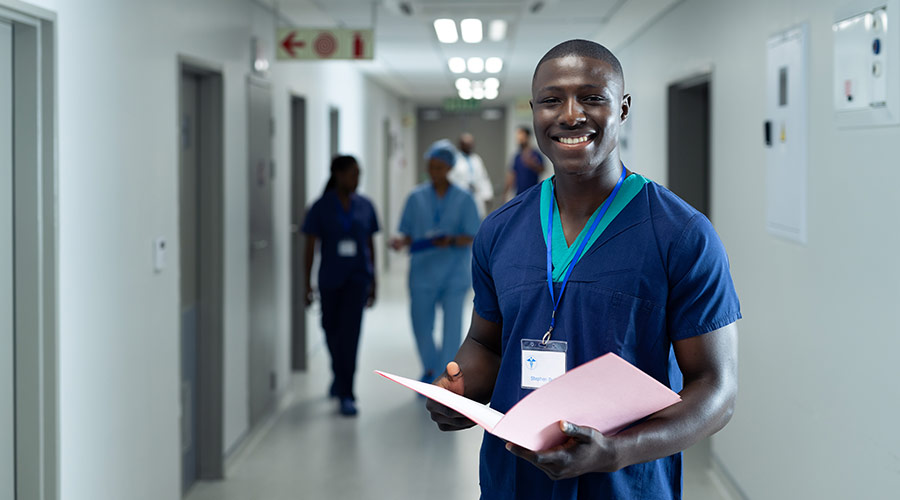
x,y
449,249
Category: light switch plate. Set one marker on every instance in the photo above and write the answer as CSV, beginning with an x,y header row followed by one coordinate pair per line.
x,y
159,254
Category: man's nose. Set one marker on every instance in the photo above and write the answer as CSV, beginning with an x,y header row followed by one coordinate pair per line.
x,y
572,114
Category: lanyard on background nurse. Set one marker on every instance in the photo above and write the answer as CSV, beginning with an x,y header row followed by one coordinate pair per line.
x,y
346,245
543,360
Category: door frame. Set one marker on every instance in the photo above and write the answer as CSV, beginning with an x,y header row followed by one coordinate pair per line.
x,y
36,259
298,110
677,93
211,264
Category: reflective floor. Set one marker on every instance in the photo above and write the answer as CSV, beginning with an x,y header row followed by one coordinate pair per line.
x,y
390,451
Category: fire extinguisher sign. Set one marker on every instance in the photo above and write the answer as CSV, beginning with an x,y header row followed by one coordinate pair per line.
x,y
318,44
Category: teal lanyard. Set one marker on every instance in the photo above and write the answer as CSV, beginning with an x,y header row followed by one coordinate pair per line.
x,y
587,237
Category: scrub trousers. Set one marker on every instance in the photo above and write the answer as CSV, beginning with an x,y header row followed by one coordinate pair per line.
x,y
423,302
342,310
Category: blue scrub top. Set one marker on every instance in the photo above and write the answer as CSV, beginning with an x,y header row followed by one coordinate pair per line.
x,y
328,221
525,177
426,215
657,274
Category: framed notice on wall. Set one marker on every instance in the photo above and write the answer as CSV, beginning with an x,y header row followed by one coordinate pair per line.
x,y
786,134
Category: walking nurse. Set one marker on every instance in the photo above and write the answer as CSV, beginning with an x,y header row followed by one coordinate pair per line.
x,y
342,222
438,224
597,259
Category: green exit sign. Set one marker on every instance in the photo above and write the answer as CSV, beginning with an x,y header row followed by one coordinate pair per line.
x,y
456,105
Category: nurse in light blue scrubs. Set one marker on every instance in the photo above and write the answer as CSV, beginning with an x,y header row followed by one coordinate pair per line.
x,y
438,225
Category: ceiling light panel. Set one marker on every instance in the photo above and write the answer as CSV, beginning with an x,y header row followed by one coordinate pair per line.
x,y
475,64
446,30
497,30
457,65
493,65
471,30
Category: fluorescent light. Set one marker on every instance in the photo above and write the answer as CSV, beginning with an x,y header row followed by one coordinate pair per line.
x,y
471,30
493,64
491,93
457,64
491,83
463,83
475,64
478,93
465,93
497,30
446,30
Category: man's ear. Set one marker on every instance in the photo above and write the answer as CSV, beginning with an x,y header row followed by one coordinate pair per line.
x,y
626,107
531,104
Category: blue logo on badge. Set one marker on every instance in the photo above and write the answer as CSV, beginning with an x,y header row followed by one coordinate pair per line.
x,y
531,362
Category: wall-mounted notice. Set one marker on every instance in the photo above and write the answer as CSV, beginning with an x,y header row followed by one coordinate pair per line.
x,y
325,43
785,133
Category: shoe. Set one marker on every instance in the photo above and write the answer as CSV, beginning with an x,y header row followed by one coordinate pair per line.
x,y
348,407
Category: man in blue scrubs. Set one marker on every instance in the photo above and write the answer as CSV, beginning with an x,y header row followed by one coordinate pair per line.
x,y
438,224
604,260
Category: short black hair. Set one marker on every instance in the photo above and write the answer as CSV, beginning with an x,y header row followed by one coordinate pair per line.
x,y
583,48
525,130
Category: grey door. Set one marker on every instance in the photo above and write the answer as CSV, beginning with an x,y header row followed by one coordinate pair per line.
x,y
189,258
688,143
7,406
262,275
298,242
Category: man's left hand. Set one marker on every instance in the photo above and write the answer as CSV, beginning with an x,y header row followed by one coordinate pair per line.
x,y
586,451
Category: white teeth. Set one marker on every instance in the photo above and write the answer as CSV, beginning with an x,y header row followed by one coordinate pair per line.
x,y
573,140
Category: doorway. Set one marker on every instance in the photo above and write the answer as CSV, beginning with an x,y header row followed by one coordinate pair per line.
x,y
689,141
201,254
7,270
334,128
262,328
298,239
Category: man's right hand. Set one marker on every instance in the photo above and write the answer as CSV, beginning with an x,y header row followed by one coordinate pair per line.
x,y
446,418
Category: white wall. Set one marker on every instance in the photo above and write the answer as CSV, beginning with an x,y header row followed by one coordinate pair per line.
x,y
118,190
816,412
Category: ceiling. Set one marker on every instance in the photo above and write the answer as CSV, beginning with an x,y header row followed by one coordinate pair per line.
x,y
410,60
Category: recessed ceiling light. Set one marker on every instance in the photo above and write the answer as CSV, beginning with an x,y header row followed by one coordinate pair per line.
x,y
465,93
491,83
478,94
493,65
471,30
446,30
463,83
491,93
497,30
475,64
457,64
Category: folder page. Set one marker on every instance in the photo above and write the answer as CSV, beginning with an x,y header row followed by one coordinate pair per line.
x,y
607,394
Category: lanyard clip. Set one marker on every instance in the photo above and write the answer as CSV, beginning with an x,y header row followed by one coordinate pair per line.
x,y
550,331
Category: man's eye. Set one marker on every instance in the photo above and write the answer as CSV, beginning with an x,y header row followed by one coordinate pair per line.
x,y
549,100
593,98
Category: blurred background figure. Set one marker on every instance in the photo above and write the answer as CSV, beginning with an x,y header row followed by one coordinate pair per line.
x,y
343,223
469,174
526,167
438,224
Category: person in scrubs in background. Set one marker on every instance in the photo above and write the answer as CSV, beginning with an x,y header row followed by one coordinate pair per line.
x,y
650,282
438,224
342,222
469,173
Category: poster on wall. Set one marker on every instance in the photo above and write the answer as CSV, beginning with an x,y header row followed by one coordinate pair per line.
x,y
786,134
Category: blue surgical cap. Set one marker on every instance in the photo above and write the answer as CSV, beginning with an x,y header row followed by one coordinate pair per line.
x,y
443,150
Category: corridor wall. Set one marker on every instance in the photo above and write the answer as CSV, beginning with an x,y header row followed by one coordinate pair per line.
x,y
818,343
118,191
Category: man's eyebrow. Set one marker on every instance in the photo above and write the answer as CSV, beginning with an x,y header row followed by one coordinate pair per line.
x,y
554,88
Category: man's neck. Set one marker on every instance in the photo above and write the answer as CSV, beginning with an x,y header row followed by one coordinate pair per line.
x,y
579,196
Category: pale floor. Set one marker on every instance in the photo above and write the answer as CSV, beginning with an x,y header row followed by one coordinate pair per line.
x,y
390,451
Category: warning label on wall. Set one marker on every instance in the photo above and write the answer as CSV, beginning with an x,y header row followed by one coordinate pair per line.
x,y
326,43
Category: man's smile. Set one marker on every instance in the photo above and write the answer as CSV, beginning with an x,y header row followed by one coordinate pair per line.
x,y
575,141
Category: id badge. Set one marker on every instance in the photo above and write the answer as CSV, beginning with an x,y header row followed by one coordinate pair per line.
x,y
541,362
346,248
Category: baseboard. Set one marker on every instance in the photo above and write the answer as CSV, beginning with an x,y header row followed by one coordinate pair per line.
x,y
724,481
250,439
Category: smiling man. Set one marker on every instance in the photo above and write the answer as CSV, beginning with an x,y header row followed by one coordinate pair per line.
x,y
596,259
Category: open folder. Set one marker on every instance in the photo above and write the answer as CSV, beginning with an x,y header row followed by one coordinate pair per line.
x,y
606,394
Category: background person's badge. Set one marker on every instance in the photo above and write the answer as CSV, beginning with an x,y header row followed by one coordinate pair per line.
x,y
346,248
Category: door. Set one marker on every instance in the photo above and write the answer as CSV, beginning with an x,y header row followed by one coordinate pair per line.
x,y
7,367
298,242
262,276
189,258
689,142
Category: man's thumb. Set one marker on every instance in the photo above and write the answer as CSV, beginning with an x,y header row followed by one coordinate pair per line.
x,y
455,378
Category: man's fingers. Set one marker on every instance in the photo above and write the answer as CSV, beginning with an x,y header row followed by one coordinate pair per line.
x,y
576,432
453,371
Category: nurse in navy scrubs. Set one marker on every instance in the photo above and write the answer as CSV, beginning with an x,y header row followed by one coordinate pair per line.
x,y
597,259
342,223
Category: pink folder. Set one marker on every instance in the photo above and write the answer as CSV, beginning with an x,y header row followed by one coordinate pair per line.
x,y
607,394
